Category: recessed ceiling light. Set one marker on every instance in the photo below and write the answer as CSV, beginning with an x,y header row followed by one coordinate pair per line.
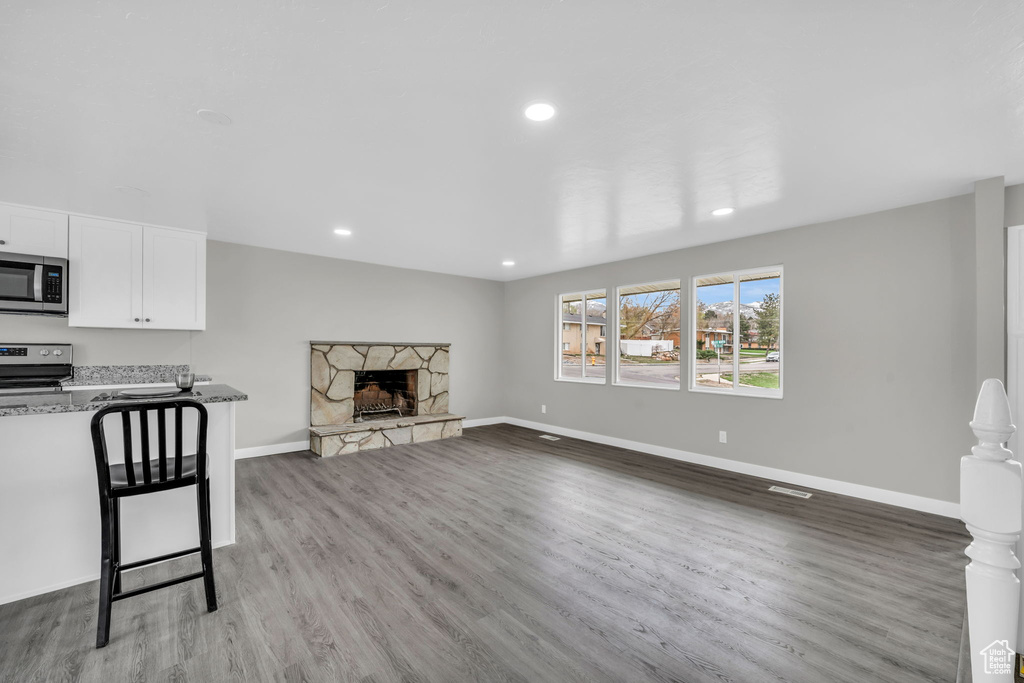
x,y
722,212
344,232
539,111
508,263
211,116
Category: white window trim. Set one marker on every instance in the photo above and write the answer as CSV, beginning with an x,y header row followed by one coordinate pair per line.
x,y
735,391
583,379
617,330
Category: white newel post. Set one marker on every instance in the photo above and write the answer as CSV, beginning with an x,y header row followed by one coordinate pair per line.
x,y
990,505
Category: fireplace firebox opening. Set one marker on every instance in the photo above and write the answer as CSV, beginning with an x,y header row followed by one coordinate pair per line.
x,y
383,394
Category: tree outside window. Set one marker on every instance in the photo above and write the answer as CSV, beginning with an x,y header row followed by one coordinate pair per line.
x,y
649,335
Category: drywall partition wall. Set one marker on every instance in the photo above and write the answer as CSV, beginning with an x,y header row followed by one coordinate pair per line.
x,y
878,359
263,308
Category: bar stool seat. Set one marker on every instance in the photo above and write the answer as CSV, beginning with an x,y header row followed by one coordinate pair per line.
x,y
119,474
171,468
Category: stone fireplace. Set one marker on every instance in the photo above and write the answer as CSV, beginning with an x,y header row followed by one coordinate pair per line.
x,y
366,395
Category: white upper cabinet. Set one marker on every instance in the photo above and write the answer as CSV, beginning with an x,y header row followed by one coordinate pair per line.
x,y
33,231
104,273
125,275
174,279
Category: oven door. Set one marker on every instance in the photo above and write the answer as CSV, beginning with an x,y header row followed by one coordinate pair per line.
x,y
21,283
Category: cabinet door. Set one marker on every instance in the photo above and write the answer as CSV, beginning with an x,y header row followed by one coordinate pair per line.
x,y
105,273
174,279
35,232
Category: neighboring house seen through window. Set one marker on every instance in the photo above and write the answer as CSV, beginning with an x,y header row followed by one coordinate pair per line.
x,y
583,319
737,326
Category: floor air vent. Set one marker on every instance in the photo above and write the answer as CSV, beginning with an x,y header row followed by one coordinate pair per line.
x,y
549,437
790,492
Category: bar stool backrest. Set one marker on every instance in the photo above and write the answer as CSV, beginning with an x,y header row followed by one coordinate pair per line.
x,y
137,442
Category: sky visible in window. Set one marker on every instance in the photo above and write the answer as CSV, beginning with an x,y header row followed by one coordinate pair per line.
x,y
752,291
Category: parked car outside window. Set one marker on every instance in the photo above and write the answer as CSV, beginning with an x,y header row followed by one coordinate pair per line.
x,y
772,357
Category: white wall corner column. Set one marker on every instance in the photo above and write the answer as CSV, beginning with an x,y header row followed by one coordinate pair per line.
x,y
990,291
990,505
1015,358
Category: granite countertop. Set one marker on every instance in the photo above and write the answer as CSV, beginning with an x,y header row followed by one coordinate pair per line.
x,y
83,400
105,375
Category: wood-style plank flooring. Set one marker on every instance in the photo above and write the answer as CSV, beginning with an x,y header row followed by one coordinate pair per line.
x,y
499,556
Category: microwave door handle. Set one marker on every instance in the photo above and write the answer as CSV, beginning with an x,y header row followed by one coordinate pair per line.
x,y
39,282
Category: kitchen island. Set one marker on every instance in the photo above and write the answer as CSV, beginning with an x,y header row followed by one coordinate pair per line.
x,y
49,504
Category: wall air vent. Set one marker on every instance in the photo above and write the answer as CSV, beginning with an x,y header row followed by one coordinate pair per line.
x,y
790,492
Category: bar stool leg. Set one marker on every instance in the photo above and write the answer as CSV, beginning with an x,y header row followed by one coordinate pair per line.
x,y
205,544
116,548
106,576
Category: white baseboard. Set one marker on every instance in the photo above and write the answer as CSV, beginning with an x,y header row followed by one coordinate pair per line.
x,y
484,421
904,500
272,449
71,582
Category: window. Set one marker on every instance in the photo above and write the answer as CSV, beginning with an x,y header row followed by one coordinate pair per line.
x,y
737,332
649,335
583,319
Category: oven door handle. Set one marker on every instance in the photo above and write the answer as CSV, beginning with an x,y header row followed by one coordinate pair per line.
x,y
38,282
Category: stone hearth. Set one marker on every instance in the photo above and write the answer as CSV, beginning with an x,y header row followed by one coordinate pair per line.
x,y
334,428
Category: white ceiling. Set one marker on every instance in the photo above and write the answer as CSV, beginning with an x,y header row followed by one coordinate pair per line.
x,y
402,119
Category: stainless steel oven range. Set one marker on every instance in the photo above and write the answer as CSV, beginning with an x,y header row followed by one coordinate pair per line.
x,y
34,367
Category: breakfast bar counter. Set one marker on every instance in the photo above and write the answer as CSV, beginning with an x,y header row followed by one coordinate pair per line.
x,y
50,536
90,399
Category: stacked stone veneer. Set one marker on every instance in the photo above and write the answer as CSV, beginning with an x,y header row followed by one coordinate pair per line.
x,y
331,406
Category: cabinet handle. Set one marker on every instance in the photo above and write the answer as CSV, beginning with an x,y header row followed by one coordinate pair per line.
x,y
3,241
136,320
148,320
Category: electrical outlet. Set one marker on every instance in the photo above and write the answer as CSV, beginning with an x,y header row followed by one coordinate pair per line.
x,y
721,437
543,408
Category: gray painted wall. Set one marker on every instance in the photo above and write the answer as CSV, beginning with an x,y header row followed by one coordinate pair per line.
x,y
879,355
263,307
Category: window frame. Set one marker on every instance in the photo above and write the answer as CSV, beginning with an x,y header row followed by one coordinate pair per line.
x,y
559,349
618,332
737,346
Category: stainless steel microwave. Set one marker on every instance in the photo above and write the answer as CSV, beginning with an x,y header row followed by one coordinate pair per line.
x,y
33,284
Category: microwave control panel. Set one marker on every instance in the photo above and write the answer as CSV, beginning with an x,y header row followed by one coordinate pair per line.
x,y
53,284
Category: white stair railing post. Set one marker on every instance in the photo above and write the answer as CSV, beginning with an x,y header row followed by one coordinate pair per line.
x,y
990,505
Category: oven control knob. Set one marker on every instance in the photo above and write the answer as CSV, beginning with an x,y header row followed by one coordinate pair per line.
x,y
44,352
58,352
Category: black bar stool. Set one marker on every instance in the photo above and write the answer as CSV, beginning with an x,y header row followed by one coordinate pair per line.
x,y
146,475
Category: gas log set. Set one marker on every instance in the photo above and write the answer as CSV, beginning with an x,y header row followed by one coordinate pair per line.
x,y
380,392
